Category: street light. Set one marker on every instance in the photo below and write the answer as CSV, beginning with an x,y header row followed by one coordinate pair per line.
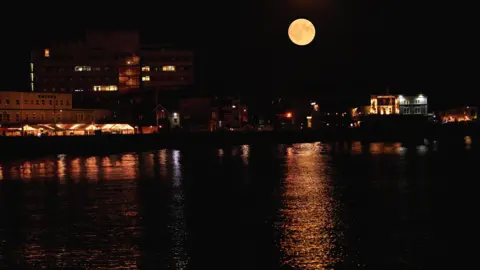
x,y
289,115
313,103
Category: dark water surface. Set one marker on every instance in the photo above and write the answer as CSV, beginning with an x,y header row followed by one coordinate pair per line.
x,y
301,206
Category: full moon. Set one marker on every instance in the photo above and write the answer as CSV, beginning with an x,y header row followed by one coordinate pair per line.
x,y
301,32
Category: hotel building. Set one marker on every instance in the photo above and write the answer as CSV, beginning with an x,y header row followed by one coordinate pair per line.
x,y
109,61
45,108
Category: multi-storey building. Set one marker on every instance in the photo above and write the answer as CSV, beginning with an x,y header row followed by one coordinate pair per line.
x,y
43,108
384,104
407,105
413,104
110,61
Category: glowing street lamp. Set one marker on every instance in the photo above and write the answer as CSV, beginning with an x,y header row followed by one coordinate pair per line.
x,y
288,115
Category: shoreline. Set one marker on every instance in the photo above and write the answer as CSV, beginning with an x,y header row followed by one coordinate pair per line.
x,y
23,147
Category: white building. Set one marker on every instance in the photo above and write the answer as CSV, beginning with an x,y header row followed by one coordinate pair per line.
x,y
417,105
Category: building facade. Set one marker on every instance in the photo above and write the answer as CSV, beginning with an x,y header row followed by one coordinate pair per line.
x,y
405,105
40,108
199,114
417,105
210,114
109,61
233,114
384,104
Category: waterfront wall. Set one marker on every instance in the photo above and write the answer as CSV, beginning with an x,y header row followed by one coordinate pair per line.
x,y
15,147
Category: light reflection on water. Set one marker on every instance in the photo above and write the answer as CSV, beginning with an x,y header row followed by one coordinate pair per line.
x,y
178,226
91,212
308,212
83,211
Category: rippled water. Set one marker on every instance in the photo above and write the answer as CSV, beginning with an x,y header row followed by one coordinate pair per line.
x,y
301,206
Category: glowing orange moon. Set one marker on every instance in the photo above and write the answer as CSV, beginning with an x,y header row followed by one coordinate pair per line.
x,y
301,32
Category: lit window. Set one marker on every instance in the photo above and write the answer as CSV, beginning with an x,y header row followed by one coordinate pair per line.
x,y
83,68
133,60
105,88
146,78
168,68
47,53
146,68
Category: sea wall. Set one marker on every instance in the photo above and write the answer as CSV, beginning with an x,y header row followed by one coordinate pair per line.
x,y
18,147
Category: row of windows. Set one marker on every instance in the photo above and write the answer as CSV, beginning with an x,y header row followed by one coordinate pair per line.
x,y
416,110
37,102
99,79
165,68
112,80
5,117
416,101
149,78
46,54
105,88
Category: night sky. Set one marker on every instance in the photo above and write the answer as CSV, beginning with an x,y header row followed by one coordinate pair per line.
x,y
361,47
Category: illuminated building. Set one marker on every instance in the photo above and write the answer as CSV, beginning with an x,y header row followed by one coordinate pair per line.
x,y
467,113
417,105
405,105
111,61
38,108
386,104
